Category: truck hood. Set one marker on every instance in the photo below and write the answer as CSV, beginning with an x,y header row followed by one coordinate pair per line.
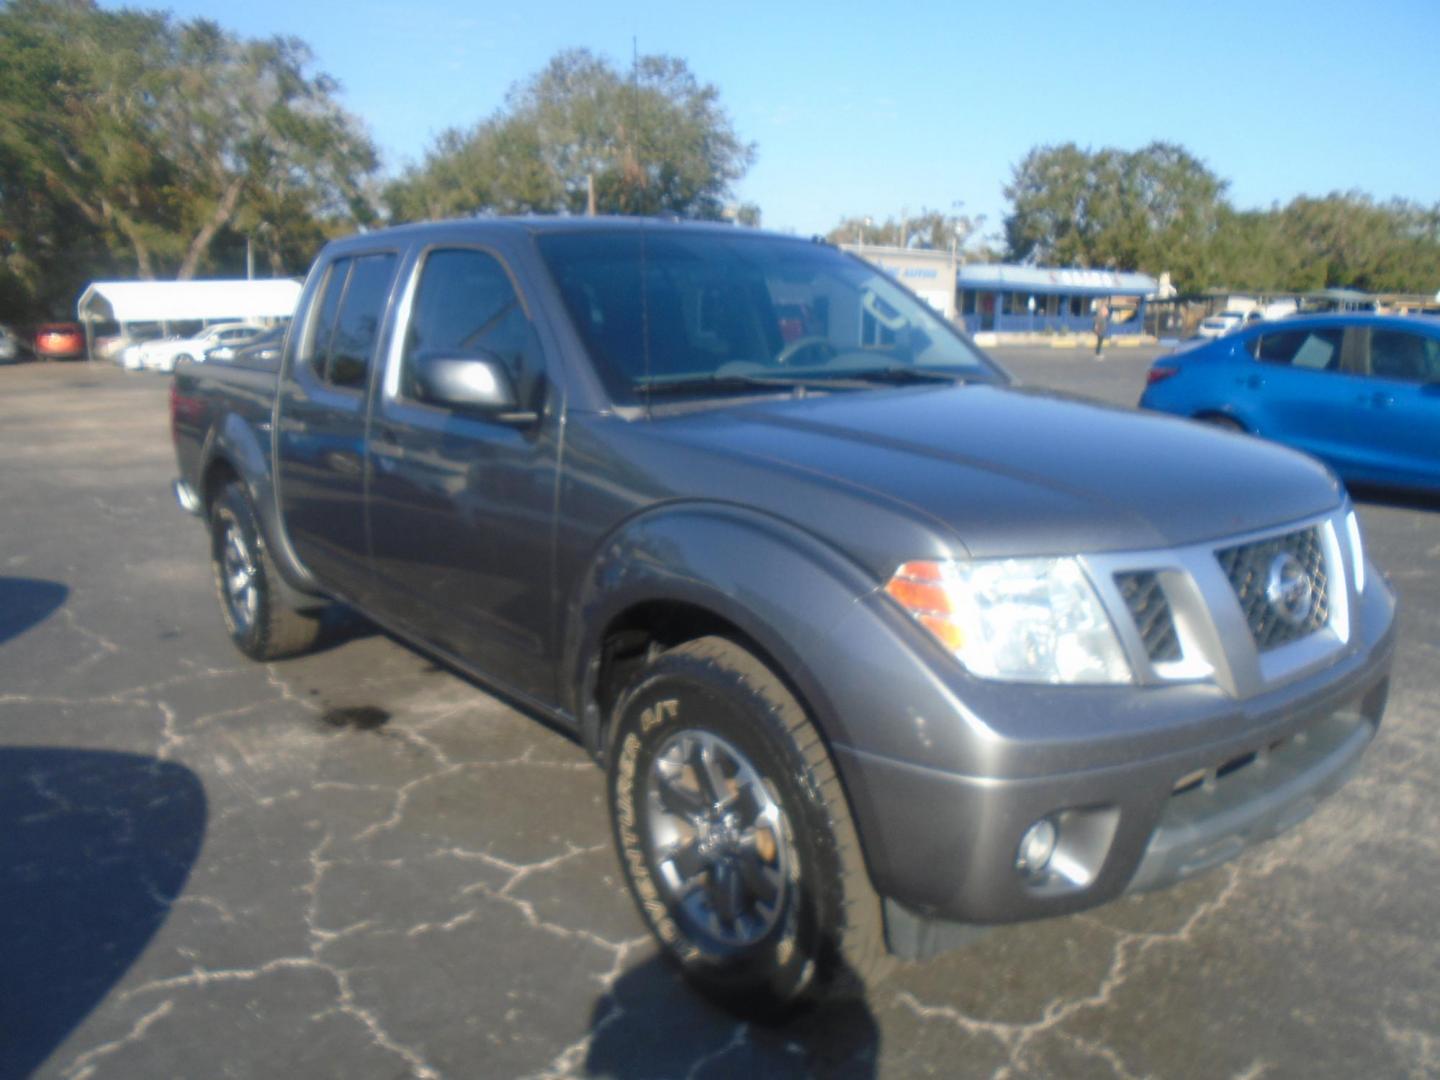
x,y
1019,472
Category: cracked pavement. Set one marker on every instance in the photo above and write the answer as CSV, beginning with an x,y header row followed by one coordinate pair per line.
x,y
357,864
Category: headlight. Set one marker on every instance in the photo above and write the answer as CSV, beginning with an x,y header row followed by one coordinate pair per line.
x,y
1357,550
1023,620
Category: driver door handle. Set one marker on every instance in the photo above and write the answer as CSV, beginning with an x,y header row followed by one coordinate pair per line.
x,y
386,443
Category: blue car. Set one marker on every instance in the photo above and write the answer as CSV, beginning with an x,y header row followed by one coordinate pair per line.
x,y
1361,392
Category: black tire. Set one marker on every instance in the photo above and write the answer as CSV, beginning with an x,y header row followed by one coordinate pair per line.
x,y
1223,422
826,937
260,624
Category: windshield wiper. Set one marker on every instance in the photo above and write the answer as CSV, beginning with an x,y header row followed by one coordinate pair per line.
x,y
703,383
904,373
858,379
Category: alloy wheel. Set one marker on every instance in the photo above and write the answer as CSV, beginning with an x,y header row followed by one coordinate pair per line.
x,y
718,838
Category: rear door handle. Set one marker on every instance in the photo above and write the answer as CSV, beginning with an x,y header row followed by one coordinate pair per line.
x,y
1254,382
1377,401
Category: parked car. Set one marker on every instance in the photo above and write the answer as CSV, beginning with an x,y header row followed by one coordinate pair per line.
x,y
10,350
873,647
1219,325
111,344
59,341
165,353
263,347
1359,391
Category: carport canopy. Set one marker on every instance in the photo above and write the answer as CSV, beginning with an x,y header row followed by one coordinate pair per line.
x,y
178,301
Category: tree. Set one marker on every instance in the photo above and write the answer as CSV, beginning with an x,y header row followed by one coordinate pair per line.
x,y
162,136
72,96
747,214
579,133
245,126
1158,207
1252,252
927,229
1161,209
1349,240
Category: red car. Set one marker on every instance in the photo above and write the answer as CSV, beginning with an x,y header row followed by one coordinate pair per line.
x,y
59,341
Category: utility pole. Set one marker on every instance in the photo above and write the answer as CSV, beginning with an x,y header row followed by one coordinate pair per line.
x,y
590,194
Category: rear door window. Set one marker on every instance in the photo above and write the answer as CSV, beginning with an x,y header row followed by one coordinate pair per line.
x,y
357,327
317,353
1403,356
1314,350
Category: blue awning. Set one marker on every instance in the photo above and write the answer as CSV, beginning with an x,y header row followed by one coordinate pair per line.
x,y
1054,280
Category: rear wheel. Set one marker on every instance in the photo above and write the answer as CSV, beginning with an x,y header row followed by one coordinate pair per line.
x,y
247,585
1225,423
735,835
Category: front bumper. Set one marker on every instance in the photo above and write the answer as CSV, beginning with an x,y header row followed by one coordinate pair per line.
x,y
1177,779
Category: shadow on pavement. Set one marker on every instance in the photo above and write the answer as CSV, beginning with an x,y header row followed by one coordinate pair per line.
x,y
26,602
339,626
94,847
653,1024
1396,498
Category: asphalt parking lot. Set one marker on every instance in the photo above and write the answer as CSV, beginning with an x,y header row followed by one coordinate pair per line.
x,y
356,864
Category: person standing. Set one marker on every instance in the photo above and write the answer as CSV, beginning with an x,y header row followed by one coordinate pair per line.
x,y
1102,326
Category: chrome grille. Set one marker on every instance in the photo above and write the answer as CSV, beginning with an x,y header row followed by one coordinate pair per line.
x,y
1151,611
1251,569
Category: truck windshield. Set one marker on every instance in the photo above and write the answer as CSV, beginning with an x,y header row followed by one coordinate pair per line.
x,y
706,314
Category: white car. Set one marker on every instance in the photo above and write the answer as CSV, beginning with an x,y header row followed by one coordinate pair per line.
x,y
164,354
1219,325
112,346
9,345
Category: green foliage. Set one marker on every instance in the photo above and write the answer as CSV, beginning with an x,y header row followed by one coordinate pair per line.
x,y
748,214
1155,207
1349,239
927,229
129,143
1161,209
655,141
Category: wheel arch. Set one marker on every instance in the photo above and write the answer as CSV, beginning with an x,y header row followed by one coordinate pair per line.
x,y
1212,413
665,605
694,570
233,452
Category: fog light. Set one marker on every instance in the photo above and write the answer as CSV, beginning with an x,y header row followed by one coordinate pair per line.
x,y
1036,847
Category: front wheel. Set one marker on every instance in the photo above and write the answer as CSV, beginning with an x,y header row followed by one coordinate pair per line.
x,y
735,835
247,584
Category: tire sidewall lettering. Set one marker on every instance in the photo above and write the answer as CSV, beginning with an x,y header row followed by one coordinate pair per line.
x,y
633,856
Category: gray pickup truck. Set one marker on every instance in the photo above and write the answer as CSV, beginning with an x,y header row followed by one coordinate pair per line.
x,y
875,647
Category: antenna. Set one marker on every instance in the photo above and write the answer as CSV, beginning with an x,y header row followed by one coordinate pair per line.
x,y
639,174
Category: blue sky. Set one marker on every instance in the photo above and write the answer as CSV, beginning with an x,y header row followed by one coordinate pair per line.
x,y
878,108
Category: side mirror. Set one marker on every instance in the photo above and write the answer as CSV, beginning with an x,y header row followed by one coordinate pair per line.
x,y
475,384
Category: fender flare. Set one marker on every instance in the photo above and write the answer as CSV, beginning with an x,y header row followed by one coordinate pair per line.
x,y
236,442
779,585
